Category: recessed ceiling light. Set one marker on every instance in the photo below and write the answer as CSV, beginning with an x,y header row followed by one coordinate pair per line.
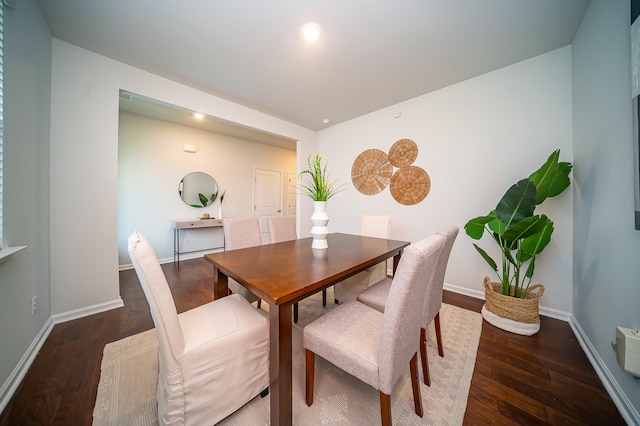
x,y
311,31
326,121
198,115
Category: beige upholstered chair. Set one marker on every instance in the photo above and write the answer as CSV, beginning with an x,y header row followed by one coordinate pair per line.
x,y
375,347
212,359
376,297
239,233
378,226
283,228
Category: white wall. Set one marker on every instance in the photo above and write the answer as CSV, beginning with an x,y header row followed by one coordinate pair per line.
x,y
475,140
27,92
84,160
151,164
606,268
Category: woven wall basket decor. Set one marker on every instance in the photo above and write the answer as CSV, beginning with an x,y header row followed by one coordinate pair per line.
x,y
403,153
371,171
410,185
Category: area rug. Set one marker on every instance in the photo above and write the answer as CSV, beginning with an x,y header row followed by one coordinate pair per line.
x,y
127,387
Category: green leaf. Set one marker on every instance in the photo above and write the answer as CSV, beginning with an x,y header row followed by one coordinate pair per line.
x,y
531,268
203,199
552,178
485,256
529,226
318,188
475,226
534,244
497,226
518,202
212,198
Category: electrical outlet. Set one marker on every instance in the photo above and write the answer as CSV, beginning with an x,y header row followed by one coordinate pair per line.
x,y
33,305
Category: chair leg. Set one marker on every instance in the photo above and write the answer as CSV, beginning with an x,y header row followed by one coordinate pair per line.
x,y
295,312
439,335
259,303
415,384
385,409
324,297
423,356
311,359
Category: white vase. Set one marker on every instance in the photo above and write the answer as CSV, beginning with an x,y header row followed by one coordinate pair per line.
x,y
220,211
320,219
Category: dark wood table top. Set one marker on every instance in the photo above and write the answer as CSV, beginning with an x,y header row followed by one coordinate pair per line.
x,y
292,270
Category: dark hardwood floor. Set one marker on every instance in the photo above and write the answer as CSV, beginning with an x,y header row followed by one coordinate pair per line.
x,y
543,379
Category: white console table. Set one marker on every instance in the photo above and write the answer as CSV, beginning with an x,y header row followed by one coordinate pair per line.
x,y
180,224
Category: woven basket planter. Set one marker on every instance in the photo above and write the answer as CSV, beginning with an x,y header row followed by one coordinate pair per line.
x,y
520,316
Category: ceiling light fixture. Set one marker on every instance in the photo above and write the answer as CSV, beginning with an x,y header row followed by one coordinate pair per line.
x,y
198,115
326,121
311,31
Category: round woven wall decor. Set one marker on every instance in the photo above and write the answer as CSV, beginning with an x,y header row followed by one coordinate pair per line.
x,y
403,153
371,171
410,185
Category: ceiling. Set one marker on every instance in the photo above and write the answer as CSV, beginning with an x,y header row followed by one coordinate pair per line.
x,y
137,104
371,53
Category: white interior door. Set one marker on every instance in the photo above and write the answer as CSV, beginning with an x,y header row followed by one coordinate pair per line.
x,y
267,197
292,190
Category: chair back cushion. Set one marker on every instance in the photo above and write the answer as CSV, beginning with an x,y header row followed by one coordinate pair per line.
x,y
241,232
433,301
165,317
282,228
378,226
403,312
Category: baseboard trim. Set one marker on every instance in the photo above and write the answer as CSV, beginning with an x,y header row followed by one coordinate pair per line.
x,y
476,294
617,394
17,375
86,311
183,256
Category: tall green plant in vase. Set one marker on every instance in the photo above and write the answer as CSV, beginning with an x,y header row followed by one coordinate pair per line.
x,y
519,233
319,188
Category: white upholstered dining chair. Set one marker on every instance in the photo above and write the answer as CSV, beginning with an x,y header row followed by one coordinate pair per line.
x,y
373,346
239,233
212,359
376,296
378,226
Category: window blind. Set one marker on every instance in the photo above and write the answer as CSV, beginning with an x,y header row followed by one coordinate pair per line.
x,y
1,110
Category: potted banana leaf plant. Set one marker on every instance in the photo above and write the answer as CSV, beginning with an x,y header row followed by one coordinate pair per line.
x,y
520,235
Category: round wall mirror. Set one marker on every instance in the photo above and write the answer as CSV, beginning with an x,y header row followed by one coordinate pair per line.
x,y
198,189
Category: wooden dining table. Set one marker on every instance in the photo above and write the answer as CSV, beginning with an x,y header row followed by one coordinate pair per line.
x,y
282,274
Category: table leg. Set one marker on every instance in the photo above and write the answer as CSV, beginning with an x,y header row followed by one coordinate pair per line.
x,y
220,284
280,364
396,260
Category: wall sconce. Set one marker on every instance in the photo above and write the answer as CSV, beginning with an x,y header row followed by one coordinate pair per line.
x,y
190,148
